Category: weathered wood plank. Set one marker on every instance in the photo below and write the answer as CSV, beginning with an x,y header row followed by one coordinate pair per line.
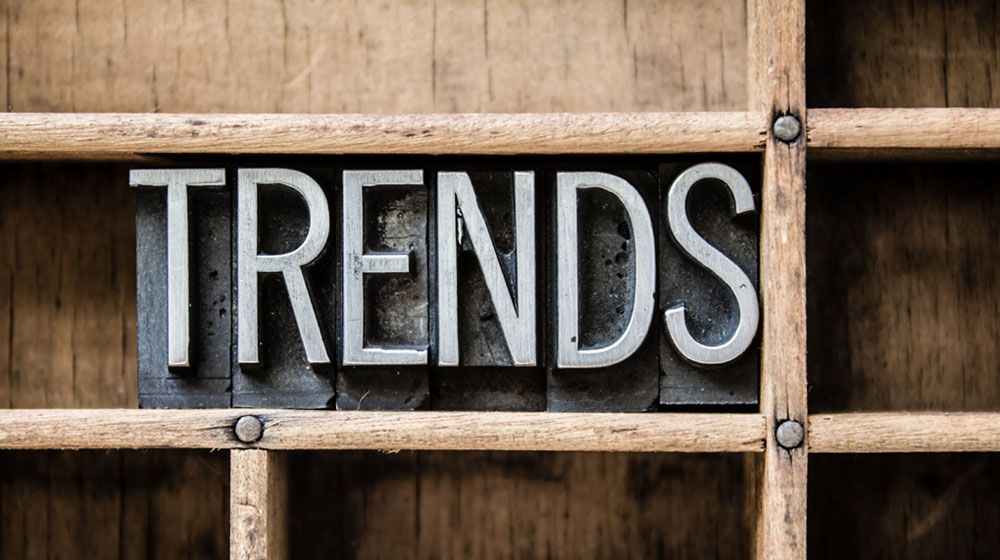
x,y
418,56
114,504
924,53
304,429
918,132
918,507
258,505
904,432
832,433
914,300
127,136
777,54
68,269
452,506
121,135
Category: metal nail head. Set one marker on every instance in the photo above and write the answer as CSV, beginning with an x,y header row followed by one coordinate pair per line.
x,y
790,434
787,128
249,429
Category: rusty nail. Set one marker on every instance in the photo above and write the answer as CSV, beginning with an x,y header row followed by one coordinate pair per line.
x,y
787,128
790,434
249,429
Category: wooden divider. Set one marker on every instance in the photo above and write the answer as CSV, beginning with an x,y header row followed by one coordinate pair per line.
x,y
776,87
777,67
884,432
326,429
127,135
257,505
893,131
890,432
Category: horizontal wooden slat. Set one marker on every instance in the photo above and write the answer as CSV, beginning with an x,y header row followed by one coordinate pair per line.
x,y
297,429
949,131
901,432
852,132
125,135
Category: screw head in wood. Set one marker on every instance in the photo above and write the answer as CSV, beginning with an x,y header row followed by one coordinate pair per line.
x,y
787,128
249,429
790,434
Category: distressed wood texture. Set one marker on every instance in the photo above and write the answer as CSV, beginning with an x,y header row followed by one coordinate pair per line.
x,y
117,504
258,506
905,506
304,429
518,505
777,66
321,56
915,132
908,314
886,432
67,279
912,132
414,56
902,260
924,53
123,135
876,132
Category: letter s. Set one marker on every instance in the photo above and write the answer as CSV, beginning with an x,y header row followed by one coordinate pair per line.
x,y
715,262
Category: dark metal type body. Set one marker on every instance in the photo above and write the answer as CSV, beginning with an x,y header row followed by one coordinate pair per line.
x,y
206,383
284,378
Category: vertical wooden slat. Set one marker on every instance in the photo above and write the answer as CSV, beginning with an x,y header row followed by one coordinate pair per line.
x,y
777,67
257,505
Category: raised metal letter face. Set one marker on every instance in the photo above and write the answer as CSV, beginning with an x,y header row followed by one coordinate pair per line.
x,y
250,263
177,182
713,260
568,352
518,323
357,263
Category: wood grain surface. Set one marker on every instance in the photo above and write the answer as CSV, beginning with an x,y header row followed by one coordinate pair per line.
x,y
904,432
265,56
456,505
924,53
917,506
903,290
900,257
114,504
299,56
258,506
897,308
912,131
123,135
777,52
67,256
956,132
302,429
